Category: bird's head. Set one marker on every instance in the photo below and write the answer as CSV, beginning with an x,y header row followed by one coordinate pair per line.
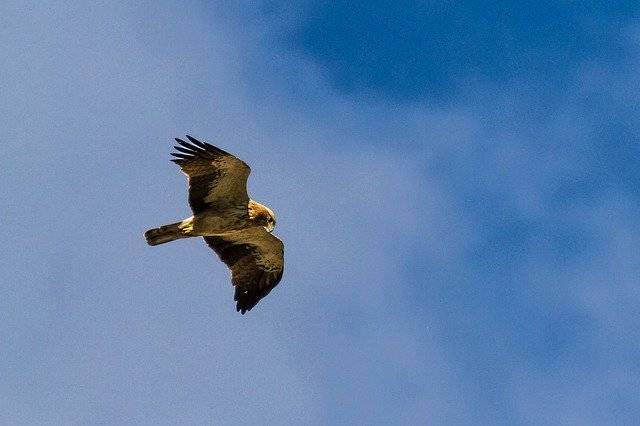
x,y
262,215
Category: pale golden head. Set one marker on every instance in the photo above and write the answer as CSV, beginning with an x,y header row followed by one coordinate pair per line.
x,y
262,215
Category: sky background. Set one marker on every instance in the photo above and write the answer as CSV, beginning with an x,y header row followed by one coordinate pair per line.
x,y
457,185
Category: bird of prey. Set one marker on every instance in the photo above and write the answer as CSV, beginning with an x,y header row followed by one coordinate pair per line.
x,y
237,228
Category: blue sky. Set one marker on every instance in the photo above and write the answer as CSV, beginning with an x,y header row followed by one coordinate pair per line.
x,y
457,186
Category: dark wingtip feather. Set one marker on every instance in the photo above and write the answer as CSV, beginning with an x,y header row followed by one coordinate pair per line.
x,y
193,148
197,142
184,150
181,156
197,149
208,146
187,145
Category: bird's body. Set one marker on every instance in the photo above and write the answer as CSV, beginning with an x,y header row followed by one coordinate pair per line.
x,y
237,228
207,223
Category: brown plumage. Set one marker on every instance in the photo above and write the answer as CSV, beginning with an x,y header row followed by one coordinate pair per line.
x,y
237,228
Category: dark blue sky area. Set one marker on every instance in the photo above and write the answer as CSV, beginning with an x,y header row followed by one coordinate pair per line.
x,y
415,50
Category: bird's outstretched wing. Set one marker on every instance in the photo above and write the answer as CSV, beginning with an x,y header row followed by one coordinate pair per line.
x,y
217,179
256,260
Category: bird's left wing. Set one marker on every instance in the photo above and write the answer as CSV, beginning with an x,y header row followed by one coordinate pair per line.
x,y
217,179
256,260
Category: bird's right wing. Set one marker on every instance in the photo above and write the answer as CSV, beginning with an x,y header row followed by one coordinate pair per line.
x,y
217,179
256,260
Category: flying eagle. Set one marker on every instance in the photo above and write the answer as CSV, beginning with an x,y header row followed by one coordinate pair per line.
x,y
237,228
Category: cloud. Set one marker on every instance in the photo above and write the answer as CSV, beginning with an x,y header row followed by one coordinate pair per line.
x,y
445,263
116,332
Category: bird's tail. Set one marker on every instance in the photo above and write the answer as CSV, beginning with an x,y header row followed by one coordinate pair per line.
x,y
164,234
